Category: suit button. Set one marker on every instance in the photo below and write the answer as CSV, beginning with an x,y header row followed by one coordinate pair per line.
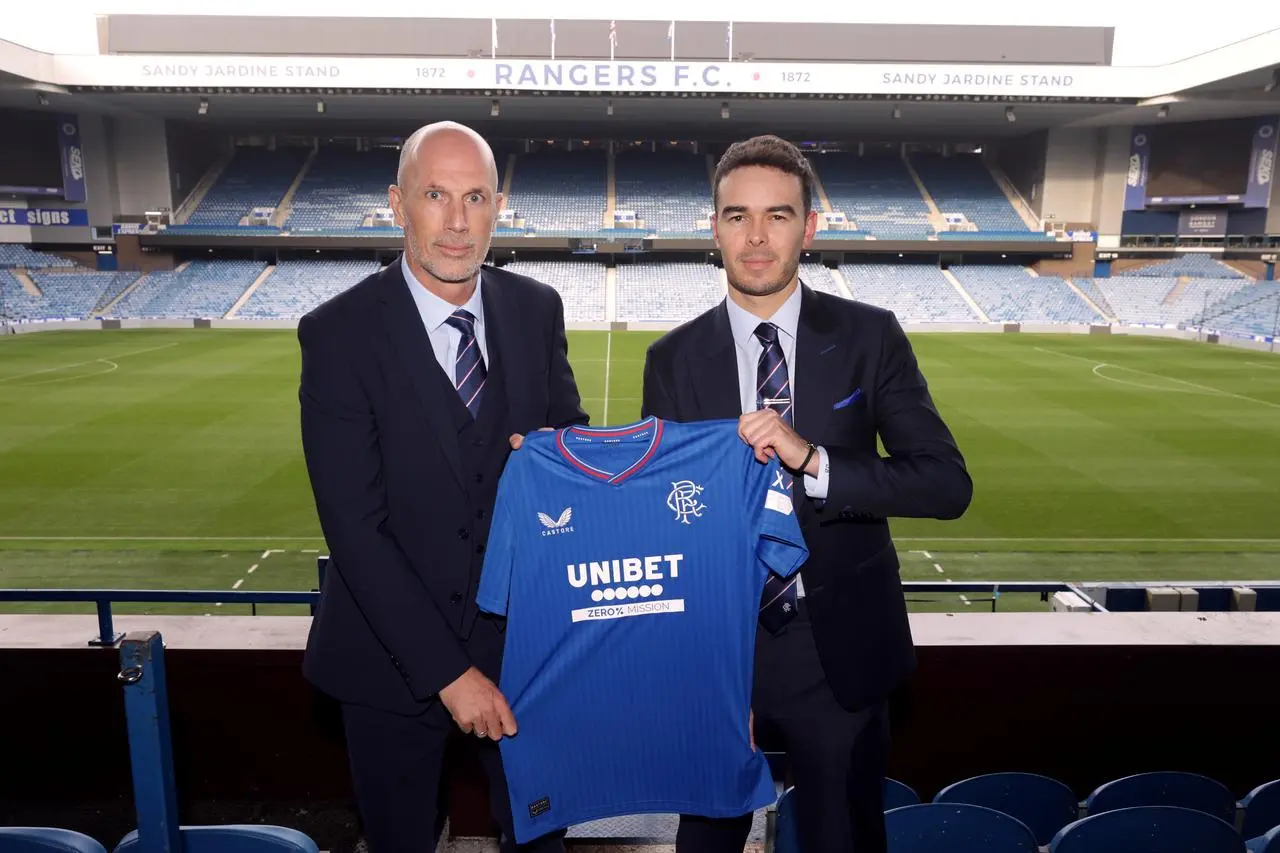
x,y
479,549
456,597
463,534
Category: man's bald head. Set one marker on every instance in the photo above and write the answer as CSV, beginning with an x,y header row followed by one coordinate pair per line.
x,y
443,136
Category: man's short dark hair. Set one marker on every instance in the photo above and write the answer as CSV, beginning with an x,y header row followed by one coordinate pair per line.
x,y
773,152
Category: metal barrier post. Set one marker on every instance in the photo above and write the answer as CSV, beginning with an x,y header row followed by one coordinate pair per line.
x,y
107,635
146,704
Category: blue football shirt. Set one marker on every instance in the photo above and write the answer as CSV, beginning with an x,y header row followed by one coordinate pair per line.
x,y
629,562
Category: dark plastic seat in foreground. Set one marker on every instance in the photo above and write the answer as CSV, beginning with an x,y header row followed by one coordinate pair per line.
x,y
41,839
1045,805
897,795
1148,829
1261,809
1163,788
233,838
955,828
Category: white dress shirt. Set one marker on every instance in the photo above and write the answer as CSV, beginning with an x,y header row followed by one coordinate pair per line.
x,y
434,311
748,350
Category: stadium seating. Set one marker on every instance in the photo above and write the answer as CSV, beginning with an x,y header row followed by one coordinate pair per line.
x,y
915,293
876,192
1261,808
961,183
668,190
77,294
1185,790
1045,805
295,287
955,828
15,303
819,278
40,839
898,794
1195,266
667,292
581,285
560,192
1148,829
231,838
17,255
1012,294
1164,301
255,177
1249,311
341,188
203,289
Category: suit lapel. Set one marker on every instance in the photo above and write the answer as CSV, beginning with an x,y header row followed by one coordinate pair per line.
x,y
413,348
715,371
816,384
501,320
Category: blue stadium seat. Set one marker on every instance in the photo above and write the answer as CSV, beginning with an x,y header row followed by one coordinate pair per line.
x,y
1045,805
955,828
1165,788
1261,809
1268,842
897,795
39,839
1148,829
233,838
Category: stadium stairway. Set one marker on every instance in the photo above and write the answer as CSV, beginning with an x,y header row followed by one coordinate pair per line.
x,y
935,215
610,188
964,294
822,196
611,294
285,207
202,187
841,284
27,283
1016,200
105,310
1095,306
244,297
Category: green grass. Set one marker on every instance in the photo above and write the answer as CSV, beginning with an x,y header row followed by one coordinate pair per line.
x,y
171,459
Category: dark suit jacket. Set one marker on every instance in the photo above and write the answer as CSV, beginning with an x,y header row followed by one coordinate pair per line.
x,y
383,455
857,377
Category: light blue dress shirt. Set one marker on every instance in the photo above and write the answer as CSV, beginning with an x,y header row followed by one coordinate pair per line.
x,y
434,311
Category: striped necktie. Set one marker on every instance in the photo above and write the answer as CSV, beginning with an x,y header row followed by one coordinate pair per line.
x,y
773,391
468,368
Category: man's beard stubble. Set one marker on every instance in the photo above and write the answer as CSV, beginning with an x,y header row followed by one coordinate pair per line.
x,y
769,287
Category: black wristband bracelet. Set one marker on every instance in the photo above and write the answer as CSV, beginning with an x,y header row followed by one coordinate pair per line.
x,y
805,464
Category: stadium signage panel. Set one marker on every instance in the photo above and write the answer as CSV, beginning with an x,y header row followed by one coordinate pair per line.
x,y
42,216
598,76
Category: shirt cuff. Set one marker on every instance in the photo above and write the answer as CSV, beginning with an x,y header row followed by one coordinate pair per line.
x,y
816,487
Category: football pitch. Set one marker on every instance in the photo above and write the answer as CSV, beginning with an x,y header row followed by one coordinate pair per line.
x,y
162,459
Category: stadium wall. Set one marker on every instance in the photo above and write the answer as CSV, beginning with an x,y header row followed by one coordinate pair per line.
x,y
1070,175
141,163
191,152
1273,210
1023,162
1113,167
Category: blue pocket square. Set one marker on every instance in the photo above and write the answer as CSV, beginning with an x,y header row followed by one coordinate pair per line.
x,y
848,401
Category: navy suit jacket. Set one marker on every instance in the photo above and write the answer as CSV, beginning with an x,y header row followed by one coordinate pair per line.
x,y
856,379
383,457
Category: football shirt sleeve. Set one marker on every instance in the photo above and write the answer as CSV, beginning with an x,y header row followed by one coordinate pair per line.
x,y
499,552
781,545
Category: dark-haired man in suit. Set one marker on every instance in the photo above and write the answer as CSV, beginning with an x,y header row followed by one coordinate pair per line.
x,y
814,379
416,384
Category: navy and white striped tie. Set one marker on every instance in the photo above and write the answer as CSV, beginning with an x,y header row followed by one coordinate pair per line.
x,y
468,368
773,391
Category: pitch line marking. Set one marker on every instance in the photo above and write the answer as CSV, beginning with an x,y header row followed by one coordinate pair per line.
x,y
83,363
236,585
253,568
1197,385
608,363
114,367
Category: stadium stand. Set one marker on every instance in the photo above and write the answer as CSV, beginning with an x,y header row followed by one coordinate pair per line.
x,y
819,278
1163,301
76,294
581,285
560,192
295,287
876,192
915,293
255,177
1251,310
668,190
15,302
17,255
1012,294
961,183
342,188
667,292
201,289
1194,266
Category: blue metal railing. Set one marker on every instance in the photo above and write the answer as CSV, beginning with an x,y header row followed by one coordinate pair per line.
x,y
103,599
